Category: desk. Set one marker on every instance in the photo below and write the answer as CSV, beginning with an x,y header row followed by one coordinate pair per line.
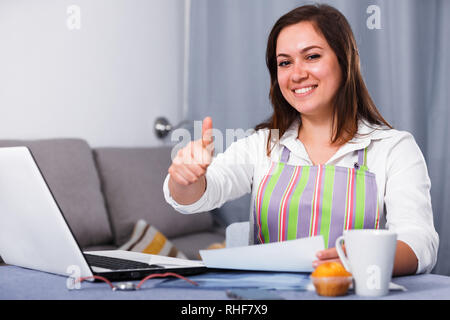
x,y
19,283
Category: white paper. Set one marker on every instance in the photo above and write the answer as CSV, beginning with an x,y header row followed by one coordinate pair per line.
x,y
289,256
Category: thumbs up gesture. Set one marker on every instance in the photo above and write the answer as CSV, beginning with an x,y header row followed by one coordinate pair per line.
x,y
190,164
207,141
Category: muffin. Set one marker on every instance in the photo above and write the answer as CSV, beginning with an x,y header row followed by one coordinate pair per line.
x,y
331,279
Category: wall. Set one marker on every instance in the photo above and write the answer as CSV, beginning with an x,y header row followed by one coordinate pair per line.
x,y
103,73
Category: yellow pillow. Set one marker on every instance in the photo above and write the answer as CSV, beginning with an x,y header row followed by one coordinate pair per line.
x,y
147,239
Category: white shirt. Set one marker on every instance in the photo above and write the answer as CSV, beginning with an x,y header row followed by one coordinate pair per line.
x,y
393,156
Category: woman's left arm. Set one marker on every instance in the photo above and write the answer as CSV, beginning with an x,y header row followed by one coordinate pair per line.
x,y
405,261
408,209
407,203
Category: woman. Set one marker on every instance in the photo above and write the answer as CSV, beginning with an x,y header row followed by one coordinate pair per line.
x,y
326,161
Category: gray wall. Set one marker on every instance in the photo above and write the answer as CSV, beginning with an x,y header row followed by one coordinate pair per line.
x,y
105,82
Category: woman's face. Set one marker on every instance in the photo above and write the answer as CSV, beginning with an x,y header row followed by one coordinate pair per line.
x,y
309,74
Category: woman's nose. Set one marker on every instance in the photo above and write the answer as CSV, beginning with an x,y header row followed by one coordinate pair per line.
x,y
299,72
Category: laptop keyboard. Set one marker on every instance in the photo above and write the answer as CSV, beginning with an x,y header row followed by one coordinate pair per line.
x,y
116,263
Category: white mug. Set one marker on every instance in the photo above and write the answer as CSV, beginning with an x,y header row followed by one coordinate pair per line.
x,y
370,259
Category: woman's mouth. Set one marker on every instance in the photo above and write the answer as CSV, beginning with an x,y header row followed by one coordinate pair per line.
x,y
301,92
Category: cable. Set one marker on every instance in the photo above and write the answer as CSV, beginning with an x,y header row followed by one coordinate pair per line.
x,y
131,286
167,274
98,278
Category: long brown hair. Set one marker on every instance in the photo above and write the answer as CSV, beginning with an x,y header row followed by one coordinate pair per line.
x,y
352,102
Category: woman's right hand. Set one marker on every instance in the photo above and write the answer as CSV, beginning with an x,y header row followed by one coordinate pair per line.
x,y
191,162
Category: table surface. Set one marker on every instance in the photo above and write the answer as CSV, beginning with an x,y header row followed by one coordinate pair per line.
x,y
19,283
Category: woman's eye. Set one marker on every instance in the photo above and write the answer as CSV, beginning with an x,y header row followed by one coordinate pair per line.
x,y
313,57
283,63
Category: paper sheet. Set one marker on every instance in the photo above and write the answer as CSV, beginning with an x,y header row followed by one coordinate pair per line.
x,y
243,279
289,256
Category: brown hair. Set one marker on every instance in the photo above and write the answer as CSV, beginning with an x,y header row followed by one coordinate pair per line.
x,y
352,102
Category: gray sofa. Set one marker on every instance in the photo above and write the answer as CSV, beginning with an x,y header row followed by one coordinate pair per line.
x,y
103,192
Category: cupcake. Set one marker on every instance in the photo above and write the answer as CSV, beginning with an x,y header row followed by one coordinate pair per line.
x,y
331,279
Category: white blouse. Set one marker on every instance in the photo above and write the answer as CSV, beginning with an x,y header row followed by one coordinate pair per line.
x,y
393,156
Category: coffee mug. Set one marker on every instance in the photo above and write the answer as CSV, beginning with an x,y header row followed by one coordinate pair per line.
x,y
369,258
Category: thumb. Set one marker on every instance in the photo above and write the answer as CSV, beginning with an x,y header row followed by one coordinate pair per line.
x,y
207,127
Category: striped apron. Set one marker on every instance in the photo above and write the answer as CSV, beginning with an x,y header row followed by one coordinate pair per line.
x,y
303,201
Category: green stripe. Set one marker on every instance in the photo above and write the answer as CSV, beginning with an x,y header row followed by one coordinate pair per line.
x,y
266,200
363,167
377,216
295,203
360,199
327,203
365,158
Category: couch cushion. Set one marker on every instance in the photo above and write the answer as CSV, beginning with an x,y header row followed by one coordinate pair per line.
x,y
147,239
69,169
193,243
132,182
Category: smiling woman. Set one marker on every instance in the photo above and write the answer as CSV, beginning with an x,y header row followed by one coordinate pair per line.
x,y
325,161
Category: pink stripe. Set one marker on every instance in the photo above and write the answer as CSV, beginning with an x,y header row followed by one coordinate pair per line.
x,y
349,179
316,200
350,199
293,182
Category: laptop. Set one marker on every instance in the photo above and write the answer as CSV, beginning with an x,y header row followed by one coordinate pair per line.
x,y
34,233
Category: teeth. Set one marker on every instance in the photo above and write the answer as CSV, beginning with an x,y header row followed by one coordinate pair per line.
x,y
304,90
